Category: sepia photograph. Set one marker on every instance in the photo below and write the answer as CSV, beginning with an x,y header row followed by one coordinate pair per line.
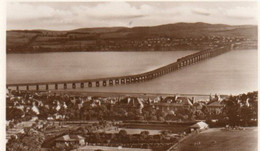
x,y
131,76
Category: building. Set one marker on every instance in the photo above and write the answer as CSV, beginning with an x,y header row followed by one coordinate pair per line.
x,y
215,106
69,140
173,104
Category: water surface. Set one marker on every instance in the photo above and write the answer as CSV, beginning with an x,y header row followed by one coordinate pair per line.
x,y
231,73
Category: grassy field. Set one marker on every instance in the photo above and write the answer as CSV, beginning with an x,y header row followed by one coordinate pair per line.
x,y
219,140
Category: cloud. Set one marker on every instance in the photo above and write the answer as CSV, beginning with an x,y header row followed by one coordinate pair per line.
x,y
201,11
20,11
61,16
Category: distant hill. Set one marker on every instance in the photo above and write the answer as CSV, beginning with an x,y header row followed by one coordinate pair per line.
x,y
121,38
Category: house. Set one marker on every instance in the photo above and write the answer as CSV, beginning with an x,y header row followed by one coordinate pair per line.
x,y
198,106
130,104
215,106
68,139
173,104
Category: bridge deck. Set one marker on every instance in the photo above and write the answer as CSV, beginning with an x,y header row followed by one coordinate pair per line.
x,y
180,63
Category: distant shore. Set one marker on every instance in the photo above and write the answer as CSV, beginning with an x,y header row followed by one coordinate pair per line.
x,y
125,50
169,37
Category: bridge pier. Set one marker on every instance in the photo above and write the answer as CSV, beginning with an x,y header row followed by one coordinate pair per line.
x,y
97,83
81,85
73,86
104,83
150,76
90,84
56,86
47,87
142,78
65,85
110,82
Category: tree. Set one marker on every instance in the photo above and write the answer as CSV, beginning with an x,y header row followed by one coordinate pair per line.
x,y
30,141
13,113
122,133
123,137
144,135
246,115
232,110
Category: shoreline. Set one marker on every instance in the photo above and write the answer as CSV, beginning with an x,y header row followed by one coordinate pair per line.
x,y
42,52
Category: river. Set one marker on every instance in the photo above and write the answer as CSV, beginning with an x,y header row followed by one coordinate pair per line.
x,y
230,73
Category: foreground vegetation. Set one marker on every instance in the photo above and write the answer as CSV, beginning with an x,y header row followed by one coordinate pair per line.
x,y
240,110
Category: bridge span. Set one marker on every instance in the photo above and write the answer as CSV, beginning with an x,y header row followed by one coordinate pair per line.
x,y
136,78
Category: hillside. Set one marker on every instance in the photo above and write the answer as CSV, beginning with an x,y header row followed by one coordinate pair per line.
x,y
179,36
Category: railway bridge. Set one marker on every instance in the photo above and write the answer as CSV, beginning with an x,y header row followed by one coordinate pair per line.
x,y
129,79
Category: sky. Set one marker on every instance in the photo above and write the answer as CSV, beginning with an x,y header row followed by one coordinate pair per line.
x,y
73,15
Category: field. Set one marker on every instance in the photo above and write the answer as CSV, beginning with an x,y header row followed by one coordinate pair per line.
x,y
221,140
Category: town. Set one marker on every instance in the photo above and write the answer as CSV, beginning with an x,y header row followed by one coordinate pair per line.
x,y
136,39
130,76
61,121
